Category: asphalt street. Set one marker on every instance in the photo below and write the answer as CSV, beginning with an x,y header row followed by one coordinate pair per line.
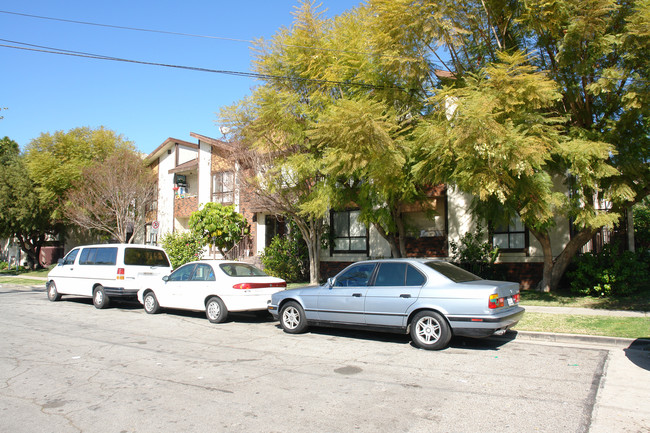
x,y
67,367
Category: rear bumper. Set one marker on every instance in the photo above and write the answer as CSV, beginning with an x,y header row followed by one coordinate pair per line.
x,y
485,326
120,292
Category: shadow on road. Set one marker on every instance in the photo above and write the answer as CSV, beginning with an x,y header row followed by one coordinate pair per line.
x,y
465,343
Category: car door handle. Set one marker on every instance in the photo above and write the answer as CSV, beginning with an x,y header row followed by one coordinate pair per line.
x,y
404,295
356,295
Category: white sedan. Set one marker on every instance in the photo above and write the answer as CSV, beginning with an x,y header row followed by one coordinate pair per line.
x,y
214,286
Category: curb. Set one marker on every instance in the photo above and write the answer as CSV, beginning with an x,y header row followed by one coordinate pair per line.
x,y
595,340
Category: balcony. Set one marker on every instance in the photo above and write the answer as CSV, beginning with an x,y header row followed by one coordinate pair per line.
x,y
184,205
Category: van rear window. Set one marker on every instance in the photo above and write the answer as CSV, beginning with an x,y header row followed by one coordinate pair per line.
x,y
145,257
98,256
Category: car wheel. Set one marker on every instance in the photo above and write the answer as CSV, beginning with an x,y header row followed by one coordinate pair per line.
x,y
215,310
52,294
100,300
292,318
151,305
429,330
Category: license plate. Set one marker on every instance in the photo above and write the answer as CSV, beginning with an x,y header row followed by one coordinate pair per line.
x,y
510,301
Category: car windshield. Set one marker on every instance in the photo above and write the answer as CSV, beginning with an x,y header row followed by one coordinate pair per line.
x,y
241,270
454,273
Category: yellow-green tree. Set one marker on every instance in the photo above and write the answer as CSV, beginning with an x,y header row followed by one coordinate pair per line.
x,y
544,112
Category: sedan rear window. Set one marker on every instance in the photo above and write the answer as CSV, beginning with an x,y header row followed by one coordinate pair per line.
x,y
454,273
241,270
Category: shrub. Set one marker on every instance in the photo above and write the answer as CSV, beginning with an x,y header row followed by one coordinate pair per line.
x,y
3,266
609,273
642,224
475,254
182,247
287,258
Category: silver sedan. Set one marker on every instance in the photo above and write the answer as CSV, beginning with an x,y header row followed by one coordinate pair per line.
x,y
430,299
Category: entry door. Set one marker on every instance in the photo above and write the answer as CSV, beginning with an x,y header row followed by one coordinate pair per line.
x,y
344,301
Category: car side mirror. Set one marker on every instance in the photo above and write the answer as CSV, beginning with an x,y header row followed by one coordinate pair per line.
x,y
165,278
330,283
60,262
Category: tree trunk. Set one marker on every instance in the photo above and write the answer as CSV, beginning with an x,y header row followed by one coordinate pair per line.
x,y
554,269
32,247
545,241
311,233
401,231
564,259
394,248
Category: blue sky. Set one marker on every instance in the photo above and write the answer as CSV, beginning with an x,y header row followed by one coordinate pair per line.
x,y
147,104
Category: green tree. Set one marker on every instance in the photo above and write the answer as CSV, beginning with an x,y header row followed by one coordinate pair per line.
x,y
182,247
21,214
219,225
56,161
517,130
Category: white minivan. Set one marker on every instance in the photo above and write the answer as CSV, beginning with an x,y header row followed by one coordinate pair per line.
x,y
107,271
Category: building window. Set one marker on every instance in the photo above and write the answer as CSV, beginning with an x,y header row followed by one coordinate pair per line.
x,y
350,235
512,237
223,187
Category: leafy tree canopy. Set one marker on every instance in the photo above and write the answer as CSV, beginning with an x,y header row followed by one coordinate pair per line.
x,y
219,225
55,161
21,214
538,94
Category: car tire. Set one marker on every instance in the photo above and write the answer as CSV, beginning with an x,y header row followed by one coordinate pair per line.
x,y
429,330
150,303
215,310
292,318
52,294
100,300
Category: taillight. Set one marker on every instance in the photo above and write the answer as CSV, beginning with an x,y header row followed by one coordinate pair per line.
x,y
495,301
247,286
120,273
516,298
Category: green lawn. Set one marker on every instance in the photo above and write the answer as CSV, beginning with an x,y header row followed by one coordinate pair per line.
x,y
39,273
625,327
21,281
639,302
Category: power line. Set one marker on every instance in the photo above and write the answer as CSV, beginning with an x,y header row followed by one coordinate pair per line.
x,y
51,50
137,29
192,35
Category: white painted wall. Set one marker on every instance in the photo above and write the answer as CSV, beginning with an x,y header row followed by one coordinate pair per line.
x,y
460,219
205,173
166,162
261,232
185,154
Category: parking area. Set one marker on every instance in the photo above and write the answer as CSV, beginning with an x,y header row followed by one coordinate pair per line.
x,y
68,367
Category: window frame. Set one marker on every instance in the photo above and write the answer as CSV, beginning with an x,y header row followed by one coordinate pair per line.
x,y
334,237
218,179
509,231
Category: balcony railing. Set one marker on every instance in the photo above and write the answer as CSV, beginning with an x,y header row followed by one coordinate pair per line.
x,y
184,205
